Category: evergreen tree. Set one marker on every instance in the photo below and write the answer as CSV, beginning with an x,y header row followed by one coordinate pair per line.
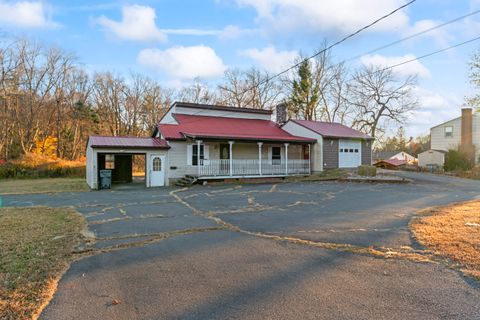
x,y
305,95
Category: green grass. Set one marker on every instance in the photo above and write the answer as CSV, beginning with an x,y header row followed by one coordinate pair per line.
x,y
36,246
47,185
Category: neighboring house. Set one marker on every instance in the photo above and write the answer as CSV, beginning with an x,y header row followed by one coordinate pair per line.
x,y
337,146
431,159
463,132
219,142
394,155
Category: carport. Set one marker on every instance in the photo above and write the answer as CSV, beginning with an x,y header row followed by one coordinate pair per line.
x,y
116,154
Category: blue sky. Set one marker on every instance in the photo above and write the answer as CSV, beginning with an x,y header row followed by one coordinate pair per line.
x,y
176,41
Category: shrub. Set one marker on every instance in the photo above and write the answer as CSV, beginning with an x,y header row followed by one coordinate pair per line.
x,y
456,160
368,171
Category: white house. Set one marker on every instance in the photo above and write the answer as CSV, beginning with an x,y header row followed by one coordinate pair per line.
x,y
219,142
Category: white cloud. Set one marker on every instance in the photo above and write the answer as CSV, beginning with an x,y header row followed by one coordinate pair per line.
x,y
184,63
138,23
327,15
434,108
411,68
440,36
271,59
25,14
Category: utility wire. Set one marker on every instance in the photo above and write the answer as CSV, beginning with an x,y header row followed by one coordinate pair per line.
x,y
332,45
430,54
323,50
414,35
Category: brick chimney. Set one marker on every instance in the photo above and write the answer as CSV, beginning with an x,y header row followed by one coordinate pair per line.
x,y
282,116
467,127
466,143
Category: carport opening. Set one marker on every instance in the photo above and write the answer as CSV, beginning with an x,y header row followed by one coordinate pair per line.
x,y
127,169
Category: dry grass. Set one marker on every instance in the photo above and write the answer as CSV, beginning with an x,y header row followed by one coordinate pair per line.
x,y
330,174
452,232
46,185
36,245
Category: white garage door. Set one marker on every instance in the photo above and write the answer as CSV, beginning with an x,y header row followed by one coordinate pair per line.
x,y
349,153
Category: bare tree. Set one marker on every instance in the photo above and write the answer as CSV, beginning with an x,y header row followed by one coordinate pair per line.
x,y
379,97
252,88
198,92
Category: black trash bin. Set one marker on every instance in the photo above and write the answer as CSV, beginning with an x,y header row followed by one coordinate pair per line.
x,y
105,179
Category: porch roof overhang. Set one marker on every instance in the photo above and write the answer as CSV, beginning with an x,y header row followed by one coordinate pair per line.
x,y
290,139
126,143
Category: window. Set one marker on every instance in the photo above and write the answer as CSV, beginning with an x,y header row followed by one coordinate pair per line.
x,y
157,164
276,155
341,150
195,154
351,150
110,161
449,131
356,150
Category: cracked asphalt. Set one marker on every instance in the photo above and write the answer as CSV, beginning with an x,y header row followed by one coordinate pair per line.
x,y
312,250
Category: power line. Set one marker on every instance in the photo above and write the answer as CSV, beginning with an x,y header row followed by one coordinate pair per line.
x,y
332,45
430,54
414,35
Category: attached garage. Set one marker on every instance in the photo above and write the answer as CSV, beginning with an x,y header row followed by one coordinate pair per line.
x,y
116,154
349,153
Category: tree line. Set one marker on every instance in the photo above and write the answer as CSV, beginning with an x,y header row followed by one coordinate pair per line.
x,y
47,97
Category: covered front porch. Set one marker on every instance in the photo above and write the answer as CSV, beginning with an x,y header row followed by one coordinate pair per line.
x,y
241,159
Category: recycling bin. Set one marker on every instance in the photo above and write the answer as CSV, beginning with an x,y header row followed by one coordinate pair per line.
x,y
105,179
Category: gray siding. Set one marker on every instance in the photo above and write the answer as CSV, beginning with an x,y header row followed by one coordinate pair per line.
x,y
330,153
366,152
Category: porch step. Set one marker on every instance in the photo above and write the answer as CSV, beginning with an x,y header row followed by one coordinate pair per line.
x,y
186,181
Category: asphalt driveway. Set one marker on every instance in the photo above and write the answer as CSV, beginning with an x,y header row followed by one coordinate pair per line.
x,y
265,251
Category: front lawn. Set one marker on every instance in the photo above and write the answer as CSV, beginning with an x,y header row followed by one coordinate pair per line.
x,y
36,246
452,232
46,185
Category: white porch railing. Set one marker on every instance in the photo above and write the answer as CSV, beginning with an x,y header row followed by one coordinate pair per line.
x,y
251,167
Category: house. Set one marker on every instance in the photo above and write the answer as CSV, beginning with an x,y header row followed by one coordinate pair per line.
x,y
462,132
397,155
220,142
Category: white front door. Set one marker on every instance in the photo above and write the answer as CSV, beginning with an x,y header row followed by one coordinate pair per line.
x,y
349,153
157,170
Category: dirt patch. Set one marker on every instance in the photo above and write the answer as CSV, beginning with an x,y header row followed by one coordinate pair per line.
x,y
36,245
452,232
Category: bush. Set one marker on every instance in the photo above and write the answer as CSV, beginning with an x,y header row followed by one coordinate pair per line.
x,y
456,160
34,166
368,171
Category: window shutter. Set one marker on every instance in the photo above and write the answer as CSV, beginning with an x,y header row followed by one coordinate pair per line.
x,y
189,154
270,155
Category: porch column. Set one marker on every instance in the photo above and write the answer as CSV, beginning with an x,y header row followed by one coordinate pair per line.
x,y
231,157
286,159
309,158
199,142
260,157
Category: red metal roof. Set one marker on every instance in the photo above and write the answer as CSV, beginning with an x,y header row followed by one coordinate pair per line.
x,y
393,162
226,128
332,129
127,142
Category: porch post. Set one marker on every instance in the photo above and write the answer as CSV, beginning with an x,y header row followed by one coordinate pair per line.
x,y
309,158
260,157
286,159
231,157
199,142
